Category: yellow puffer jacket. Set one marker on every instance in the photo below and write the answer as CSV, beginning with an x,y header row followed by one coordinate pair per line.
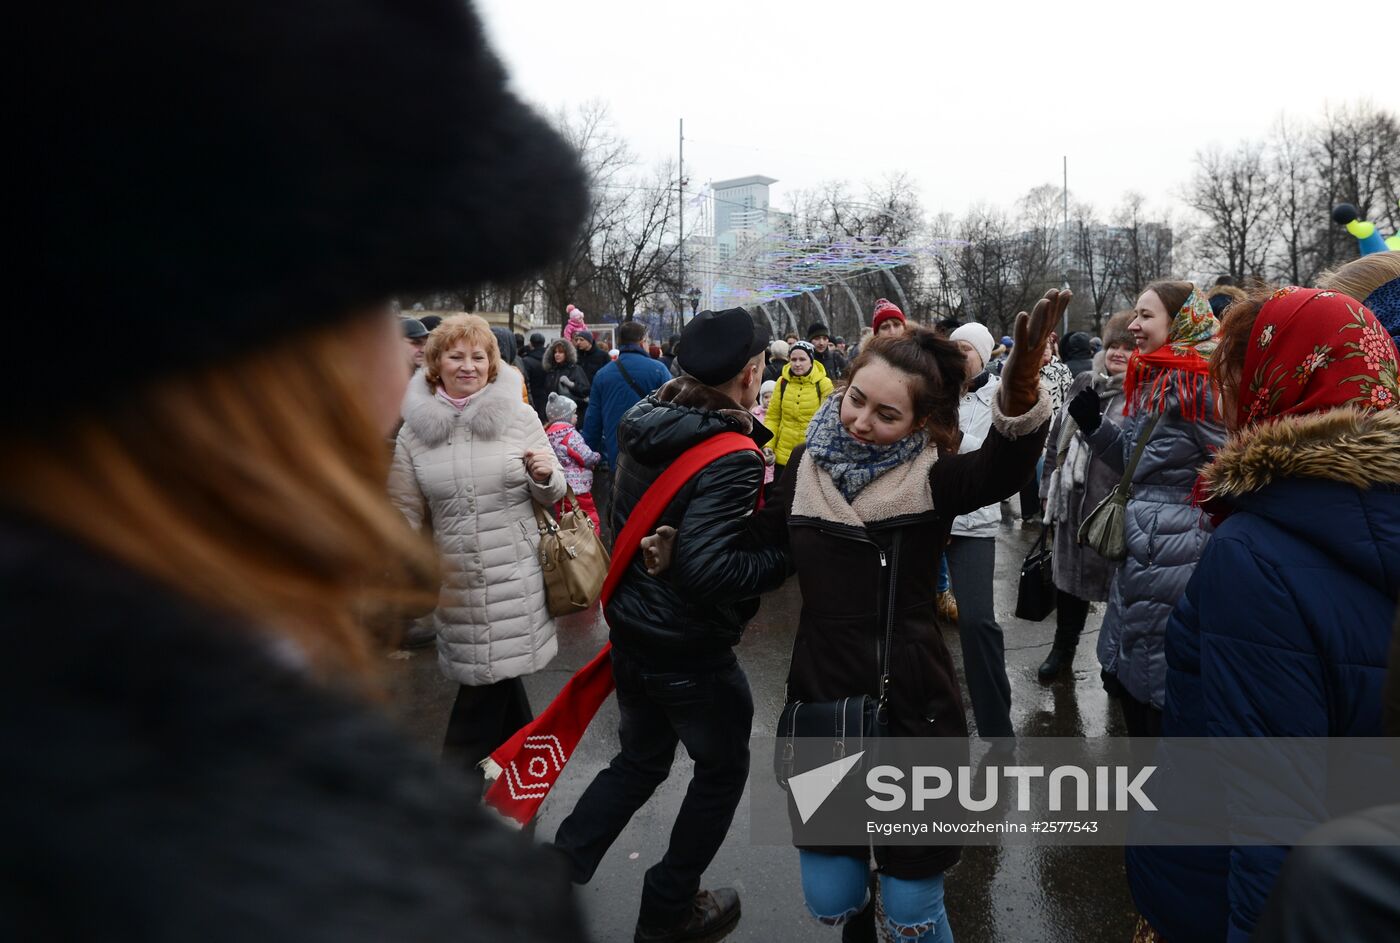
x,y
793,405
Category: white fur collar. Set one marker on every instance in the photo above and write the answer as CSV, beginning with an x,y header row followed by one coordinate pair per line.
x,y
487,414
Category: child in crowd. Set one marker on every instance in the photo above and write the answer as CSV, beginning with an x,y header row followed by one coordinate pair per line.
x,y
573,453
574,324
760,410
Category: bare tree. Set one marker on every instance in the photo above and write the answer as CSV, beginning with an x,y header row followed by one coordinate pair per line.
x,y
1037,250
606,159
1298,222
1097,253
1356,152
986,271
1236,193
636,255
943,295
1147,246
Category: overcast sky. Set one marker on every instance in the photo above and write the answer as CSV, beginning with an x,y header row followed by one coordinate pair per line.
x,y
976,99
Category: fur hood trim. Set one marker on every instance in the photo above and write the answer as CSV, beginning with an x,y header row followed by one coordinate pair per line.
x,y
1349,445
488,414
570,355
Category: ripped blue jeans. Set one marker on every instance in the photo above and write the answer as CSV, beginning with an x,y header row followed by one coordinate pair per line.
x,y
836,888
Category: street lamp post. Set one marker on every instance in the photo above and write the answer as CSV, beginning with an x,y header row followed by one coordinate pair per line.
x,y
693,296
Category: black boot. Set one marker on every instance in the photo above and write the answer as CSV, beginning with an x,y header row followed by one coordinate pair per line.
x,y
1054,664
861,927
710,912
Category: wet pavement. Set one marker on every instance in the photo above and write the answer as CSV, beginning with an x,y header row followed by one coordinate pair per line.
x,y
1069,894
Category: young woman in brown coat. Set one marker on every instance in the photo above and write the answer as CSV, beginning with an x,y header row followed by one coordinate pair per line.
x,y
876,488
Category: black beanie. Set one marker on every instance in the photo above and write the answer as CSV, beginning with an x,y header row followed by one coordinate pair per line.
x,y
203,175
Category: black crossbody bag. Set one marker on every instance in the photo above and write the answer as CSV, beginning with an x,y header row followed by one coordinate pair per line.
x,y
848,724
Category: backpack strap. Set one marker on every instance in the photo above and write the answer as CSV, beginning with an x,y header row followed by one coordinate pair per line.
x,y
642,520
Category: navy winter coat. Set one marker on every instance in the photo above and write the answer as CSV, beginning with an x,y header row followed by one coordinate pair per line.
x,y
612,396
1165,537
1283,632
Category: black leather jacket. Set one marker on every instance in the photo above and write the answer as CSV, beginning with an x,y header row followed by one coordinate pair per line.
x,y
725,555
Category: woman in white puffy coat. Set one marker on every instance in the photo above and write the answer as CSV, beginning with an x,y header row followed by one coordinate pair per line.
x,y
472,460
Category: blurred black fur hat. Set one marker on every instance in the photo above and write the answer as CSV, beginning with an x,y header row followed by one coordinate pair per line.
x,y
200,175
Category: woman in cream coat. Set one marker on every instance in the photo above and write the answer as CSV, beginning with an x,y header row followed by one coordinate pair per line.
x,y
473,460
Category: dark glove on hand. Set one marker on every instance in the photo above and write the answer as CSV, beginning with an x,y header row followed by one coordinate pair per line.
x,y
1086,411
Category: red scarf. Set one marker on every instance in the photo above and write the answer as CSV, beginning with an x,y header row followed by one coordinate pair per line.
x,y
1180,365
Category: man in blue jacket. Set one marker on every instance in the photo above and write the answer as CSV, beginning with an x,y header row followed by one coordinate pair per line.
x,y
618,387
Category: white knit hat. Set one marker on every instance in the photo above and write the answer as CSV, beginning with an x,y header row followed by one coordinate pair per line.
x,y
559,407
978,336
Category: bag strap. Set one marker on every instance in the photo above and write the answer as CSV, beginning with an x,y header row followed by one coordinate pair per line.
x,y
545,521
628,377
642,520
1127,483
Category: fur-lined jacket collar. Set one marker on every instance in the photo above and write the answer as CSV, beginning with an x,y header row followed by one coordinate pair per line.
x,y
570,356
1350,445
488,413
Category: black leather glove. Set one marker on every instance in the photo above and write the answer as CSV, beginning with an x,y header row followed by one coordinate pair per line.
x,y
1086,411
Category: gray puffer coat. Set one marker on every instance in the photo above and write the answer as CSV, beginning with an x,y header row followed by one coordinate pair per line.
x,y
1074,488
1166,535
466,473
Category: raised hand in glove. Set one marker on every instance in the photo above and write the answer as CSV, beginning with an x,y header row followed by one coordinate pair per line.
x,y
1020,378
566,382
1086,410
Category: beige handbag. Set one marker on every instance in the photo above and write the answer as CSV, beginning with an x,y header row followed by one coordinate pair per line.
x,y
1105,530
573,559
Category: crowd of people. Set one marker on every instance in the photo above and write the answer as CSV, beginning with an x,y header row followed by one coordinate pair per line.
x,y
197,540
954,416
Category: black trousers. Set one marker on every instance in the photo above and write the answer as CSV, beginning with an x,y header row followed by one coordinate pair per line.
x,y
1071,613
1142,720
483,718
972,563
711,712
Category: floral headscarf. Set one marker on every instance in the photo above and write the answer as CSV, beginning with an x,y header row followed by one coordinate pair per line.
x,y
1311,351
1182,363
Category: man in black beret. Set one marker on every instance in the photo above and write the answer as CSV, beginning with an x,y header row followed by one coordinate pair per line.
x,y
681,626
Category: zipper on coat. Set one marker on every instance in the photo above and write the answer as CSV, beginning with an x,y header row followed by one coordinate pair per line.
x,y
882,705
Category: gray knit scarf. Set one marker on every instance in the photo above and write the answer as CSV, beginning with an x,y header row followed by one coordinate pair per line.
x,y
852,464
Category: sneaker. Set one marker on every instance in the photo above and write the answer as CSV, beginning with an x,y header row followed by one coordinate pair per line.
x,y
1054,664
710,913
